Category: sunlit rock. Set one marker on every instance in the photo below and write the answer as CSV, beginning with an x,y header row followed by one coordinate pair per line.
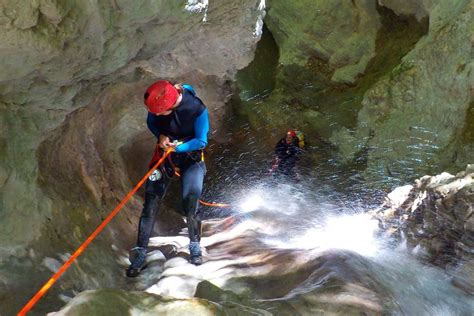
x,y
436,218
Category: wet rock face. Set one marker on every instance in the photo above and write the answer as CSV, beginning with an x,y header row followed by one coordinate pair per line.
x,y
435,215
304,282
342,33
413,118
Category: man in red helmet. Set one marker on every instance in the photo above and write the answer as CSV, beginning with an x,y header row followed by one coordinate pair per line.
x,y
175,116
287,152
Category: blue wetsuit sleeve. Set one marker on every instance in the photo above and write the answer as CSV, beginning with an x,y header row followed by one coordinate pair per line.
x,y
201,128
152,126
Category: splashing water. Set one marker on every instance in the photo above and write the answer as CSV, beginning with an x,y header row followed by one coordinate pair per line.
x,y
321,231
348,232
302,220
198,6
252,203
259,24
293,220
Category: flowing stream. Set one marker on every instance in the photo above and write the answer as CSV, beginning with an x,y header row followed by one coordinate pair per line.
x,y
307,220
311,222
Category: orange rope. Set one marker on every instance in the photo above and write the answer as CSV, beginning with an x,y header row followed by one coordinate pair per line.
x,y
214,204
82,247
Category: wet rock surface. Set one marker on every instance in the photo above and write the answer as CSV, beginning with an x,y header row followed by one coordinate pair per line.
x,y
116,302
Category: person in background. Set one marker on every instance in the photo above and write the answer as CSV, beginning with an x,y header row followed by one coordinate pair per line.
x,y
286,155
179,120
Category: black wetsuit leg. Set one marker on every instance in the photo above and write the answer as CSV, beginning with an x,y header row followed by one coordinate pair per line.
x,y
192,178
155,190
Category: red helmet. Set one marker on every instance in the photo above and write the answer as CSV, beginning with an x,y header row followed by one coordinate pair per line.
x,y
291,133
160,96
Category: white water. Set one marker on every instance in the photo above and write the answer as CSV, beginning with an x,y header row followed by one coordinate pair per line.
x,y
297,219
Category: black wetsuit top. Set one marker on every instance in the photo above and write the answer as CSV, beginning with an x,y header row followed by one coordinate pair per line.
x,y
179,125
288,155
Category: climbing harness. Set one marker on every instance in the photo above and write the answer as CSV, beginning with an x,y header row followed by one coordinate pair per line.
x,y
176,172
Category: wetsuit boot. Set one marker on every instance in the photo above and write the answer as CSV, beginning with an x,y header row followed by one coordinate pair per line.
x,y
194,228
154,191
137,259
195,255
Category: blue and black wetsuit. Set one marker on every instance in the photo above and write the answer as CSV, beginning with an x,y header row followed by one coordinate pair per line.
x,y
189,122
288,155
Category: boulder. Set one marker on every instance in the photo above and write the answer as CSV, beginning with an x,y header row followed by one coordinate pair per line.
x,y
435,215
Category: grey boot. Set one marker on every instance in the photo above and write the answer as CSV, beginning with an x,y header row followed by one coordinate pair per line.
x,y
137,259
195,255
